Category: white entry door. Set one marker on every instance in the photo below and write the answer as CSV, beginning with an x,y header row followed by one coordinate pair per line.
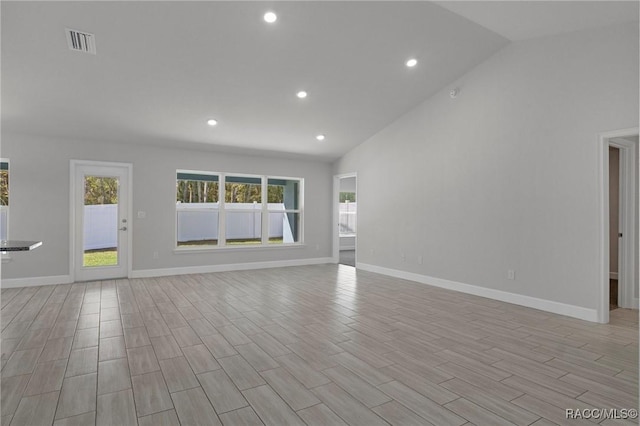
x,y
101,220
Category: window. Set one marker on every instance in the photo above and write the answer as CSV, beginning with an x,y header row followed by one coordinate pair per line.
x,y
243,210
4,199
284,210
197,209
215,209
347,217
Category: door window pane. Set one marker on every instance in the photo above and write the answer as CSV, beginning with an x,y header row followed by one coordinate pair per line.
x,y
4,183
100,221
4,198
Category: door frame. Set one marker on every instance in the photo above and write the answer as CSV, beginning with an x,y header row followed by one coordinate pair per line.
x,y
628,220
74,165
336,202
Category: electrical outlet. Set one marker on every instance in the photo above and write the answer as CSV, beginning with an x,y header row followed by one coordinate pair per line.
x,y
372,251
511,274
142,215
156,255
402,256
419,260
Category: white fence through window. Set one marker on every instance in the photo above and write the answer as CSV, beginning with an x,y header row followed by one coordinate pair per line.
x,y
347,218
100,226
196,221
199,221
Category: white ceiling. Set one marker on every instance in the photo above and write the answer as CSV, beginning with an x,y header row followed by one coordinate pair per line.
x,y
163,68
521,20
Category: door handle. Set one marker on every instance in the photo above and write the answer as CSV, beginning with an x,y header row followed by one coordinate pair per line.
x,y
620,235
124,228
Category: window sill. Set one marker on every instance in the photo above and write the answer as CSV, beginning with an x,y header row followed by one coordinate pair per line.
x,y
189,250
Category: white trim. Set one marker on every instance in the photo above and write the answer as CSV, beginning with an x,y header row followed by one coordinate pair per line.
x,y
205,269
517,299
264,214
212,248
222,209
628,225
36,281
628,196
613,275
74,165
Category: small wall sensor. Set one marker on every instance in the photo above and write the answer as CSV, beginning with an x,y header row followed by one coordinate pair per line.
x,y
454,93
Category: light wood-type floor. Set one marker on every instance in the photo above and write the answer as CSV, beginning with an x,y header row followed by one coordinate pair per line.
x,y
317,345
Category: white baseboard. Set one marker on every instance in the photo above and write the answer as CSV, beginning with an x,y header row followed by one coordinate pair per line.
x,y
35,281
613,275
347,248
504,296
149,273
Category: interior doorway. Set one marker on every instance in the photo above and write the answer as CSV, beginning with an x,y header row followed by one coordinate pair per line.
x,y
614,224
620,183
346,219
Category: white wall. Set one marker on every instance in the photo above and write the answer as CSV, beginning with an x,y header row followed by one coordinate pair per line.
x,y
505,176
40,177
348,184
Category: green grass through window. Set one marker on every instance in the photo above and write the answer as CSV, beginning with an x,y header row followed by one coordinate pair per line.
x,y
238,242
108,257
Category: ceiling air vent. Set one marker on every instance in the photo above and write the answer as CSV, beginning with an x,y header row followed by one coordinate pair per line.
x,y
81,41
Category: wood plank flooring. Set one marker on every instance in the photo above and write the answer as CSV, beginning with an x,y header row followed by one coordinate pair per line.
x,y
315,345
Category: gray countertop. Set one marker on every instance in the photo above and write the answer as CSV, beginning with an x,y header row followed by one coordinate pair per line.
x,y
15,245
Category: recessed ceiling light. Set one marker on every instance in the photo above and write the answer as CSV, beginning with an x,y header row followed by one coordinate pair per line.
x,y
301,94
412,62
270,17
212,122
320,137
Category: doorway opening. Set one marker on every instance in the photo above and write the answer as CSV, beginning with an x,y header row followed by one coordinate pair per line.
x,y
619,256
346,218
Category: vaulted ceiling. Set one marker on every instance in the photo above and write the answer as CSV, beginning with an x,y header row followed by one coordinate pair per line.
x,y
162,69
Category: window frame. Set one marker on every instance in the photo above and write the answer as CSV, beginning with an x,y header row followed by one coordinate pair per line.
x,y
222,222
202,209
298,210
224,207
